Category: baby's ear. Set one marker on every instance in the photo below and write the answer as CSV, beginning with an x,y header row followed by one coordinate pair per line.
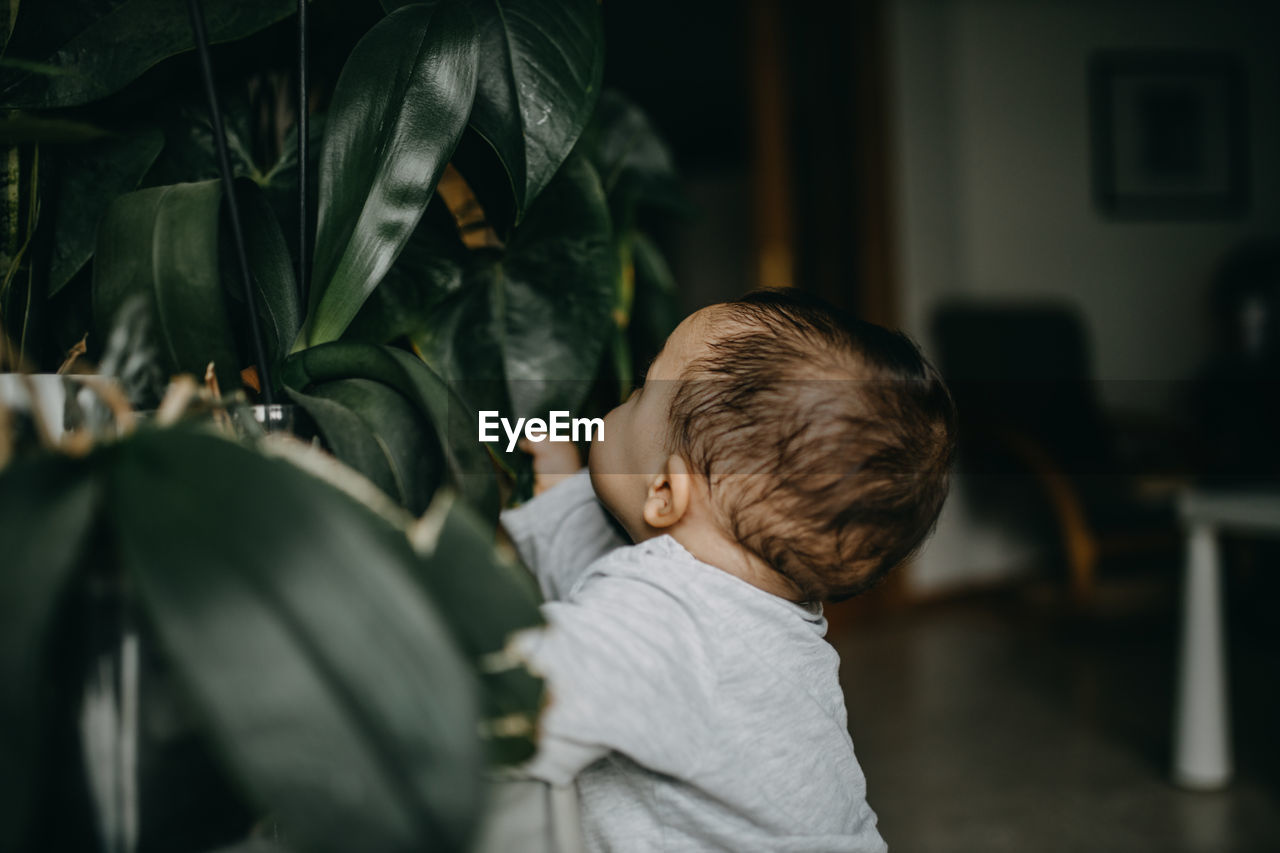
x,y
668,498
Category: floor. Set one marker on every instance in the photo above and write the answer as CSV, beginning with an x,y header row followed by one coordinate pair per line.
x,y
1002,722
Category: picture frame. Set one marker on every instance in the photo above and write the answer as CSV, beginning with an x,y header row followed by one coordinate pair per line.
x,y
1170,134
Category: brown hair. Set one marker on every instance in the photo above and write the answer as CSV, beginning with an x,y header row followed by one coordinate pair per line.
x,y
827,440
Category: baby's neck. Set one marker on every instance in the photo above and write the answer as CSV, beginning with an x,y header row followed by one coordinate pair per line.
x,y
712,547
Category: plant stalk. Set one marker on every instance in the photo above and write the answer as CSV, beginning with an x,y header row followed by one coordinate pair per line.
x,y
302,129
228,184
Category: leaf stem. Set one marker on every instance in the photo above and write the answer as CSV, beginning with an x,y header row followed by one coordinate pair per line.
x,y
302,128
229,190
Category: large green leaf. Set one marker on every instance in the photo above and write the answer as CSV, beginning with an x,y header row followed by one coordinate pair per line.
x,y
350,438
543,61
47,508
374,429
634,164
89,177
279,313
96,49
398,110
485,598
428,271
525,333
190,154
328,679
163,243
452,420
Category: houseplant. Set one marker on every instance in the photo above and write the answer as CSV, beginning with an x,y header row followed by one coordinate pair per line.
x,y
331,653
494,94
514,289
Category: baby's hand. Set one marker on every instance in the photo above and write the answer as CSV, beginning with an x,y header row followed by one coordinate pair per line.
x,y
552,462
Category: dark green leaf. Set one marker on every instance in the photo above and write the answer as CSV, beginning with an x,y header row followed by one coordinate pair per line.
x,y
47,508
453,421
530,324
88,178
190,155
101,47
17,128
350,438
540,73
543,61
273,273
399,108
428,271
409,466
634,163
327,677
164,243
6,23
485,598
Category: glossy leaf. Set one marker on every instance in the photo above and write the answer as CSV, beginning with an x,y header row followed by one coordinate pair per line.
x,y
163,243
543,62
88,178
428,271
541,74
351,439
374,429
454,422
326,676
526,331
47,508
398,110
101,47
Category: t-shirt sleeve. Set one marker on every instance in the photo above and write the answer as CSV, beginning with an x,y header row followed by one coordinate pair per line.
x,y
626,672
561,532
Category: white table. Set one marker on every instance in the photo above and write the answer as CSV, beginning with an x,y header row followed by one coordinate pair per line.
x,y
1202,725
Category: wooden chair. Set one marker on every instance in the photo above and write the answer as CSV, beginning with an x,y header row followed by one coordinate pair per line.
x,y
1033,432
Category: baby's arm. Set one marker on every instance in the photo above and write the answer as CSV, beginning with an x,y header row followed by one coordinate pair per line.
x,y
562,529
625,671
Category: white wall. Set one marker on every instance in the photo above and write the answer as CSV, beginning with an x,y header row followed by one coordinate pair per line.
x,y
994,193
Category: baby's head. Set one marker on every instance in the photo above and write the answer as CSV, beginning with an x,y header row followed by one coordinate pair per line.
x,y
814,443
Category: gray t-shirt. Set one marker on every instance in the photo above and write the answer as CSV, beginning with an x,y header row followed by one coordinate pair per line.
x,y
696,711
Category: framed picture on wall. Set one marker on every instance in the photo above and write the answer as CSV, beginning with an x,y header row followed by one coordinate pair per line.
x,y
1170,135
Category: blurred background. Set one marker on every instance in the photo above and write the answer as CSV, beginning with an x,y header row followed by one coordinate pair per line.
x,y
1074,207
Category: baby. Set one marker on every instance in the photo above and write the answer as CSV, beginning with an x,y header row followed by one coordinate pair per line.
x,y
778,455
